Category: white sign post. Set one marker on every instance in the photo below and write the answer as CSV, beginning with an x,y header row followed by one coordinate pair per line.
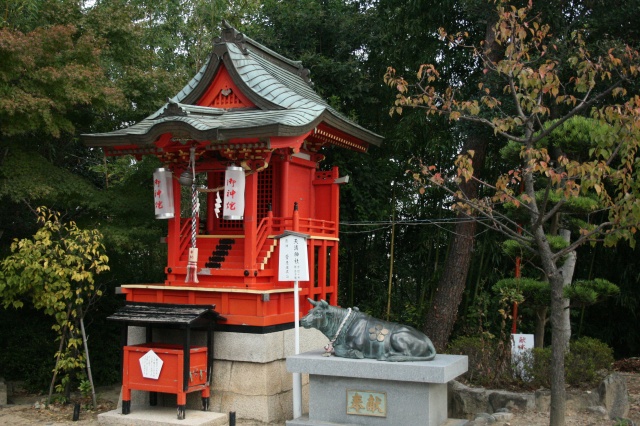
x,y
521,347
294,266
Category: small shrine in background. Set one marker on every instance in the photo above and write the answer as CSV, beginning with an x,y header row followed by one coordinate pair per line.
x,y
242,149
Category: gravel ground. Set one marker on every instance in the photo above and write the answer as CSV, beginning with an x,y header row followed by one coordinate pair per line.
x,y
29,410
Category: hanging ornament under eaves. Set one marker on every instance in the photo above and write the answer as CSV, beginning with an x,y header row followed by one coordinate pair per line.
x,y
218,205
192,263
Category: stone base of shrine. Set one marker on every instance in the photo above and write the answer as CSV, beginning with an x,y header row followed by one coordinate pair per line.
x,y
369,392
161,416
250,375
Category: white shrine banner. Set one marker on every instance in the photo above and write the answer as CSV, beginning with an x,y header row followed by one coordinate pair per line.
x,y
163,193
233,207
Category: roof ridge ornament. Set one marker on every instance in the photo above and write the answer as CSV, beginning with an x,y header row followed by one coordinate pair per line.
x,y
304,73
173,108
231,35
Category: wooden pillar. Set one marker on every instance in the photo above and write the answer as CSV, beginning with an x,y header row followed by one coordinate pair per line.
x,y
211,201
335,197
309,285
322,270
283,187
295,218
250,223
335,217
333,271
173,232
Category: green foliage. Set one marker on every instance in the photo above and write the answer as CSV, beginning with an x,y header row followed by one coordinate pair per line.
x,y
27,175
535,292
54,271
85,388
26,352
589,292
483,358
327,36
586,363
588,358
557,243
514,248
577,137
574,212
45,75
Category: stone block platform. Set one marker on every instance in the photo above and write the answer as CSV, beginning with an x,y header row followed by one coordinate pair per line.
x,y
161,416
346,391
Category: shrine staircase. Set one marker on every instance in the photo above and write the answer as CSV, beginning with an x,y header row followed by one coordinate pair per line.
x,y
226,252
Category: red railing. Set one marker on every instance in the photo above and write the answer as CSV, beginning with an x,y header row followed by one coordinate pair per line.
x,y
262,234
314,227
268,226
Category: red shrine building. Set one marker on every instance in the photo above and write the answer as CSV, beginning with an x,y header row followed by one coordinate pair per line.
x,y
248,118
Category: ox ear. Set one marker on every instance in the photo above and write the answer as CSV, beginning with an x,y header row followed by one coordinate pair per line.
x,y
324,303
313,302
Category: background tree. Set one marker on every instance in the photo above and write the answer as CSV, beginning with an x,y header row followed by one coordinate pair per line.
x,y
73,69
146,51
536,79
54,271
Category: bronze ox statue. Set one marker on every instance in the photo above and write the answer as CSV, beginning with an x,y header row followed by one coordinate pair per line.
x,y
353,334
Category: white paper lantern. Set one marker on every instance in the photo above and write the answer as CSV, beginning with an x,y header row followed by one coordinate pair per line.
x,y
163,193
233,206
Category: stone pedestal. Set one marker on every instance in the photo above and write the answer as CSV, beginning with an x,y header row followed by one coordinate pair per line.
x,y
369,392
250,375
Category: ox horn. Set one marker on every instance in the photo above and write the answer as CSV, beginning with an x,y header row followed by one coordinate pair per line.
x,y
313,302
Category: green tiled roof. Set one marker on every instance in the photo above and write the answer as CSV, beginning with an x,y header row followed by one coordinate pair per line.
x,y
286,104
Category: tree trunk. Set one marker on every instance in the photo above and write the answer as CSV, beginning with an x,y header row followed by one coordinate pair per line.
x,y
558,327
567,276
85,343
55,369
558,319
541,323
556,281
444,310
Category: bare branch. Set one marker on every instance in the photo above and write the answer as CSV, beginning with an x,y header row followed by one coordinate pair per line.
x,y
512,198
514,94
583,238
553,210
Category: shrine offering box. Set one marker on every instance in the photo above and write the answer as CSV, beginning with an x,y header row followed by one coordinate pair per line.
x,y
170,371
159,367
